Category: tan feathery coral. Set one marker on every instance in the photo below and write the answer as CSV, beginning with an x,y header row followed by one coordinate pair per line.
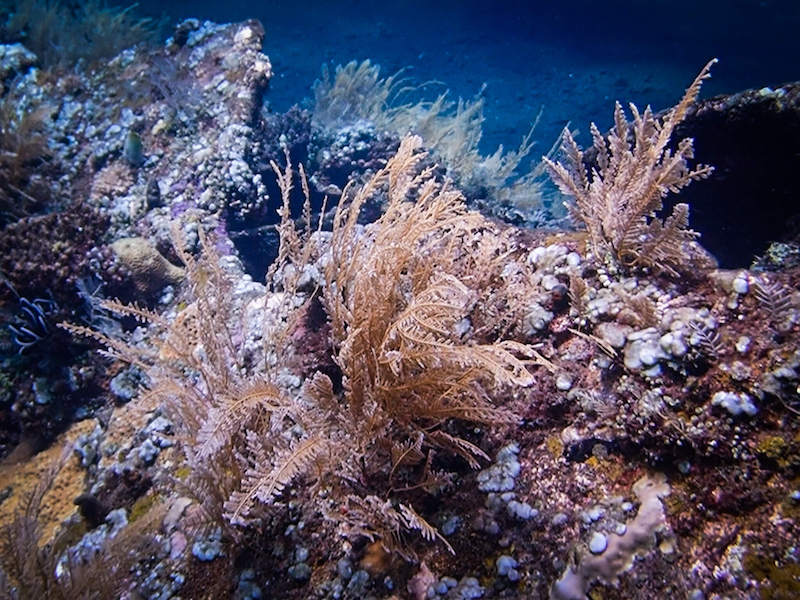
x,y
636,169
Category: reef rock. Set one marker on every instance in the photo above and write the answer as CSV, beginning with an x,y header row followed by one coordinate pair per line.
x,y
149,270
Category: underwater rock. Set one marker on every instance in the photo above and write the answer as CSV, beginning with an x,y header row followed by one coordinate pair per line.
x,y
751,139
14,59
150,271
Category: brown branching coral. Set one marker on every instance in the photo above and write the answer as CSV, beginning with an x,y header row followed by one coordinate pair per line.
x,y
398,300
24,162
636,169
198,380
60,33
450,129
395,304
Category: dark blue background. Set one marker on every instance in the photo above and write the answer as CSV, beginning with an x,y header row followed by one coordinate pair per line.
x,y
572,58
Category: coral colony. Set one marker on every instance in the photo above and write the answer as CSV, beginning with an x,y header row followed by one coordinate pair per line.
x,y
339,353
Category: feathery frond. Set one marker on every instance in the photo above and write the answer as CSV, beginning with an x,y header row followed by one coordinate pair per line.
x,y
235,412
267,483
399,295
395,308
636,169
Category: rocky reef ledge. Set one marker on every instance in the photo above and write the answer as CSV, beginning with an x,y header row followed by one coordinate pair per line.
x,y
417,401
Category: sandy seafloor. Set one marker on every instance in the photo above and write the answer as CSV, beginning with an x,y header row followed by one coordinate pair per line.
x,y
573,59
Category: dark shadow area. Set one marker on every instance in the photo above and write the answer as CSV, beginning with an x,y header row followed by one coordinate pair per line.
x,y
751,200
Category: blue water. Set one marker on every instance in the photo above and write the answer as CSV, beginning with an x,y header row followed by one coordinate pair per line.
x,y
571,59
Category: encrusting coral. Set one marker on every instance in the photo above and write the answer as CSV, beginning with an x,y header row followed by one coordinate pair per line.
x,y
150,271
38,557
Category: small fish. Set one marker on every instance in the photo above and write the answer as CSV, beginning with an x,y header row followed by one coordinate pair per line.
x,y
153,193
133,150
